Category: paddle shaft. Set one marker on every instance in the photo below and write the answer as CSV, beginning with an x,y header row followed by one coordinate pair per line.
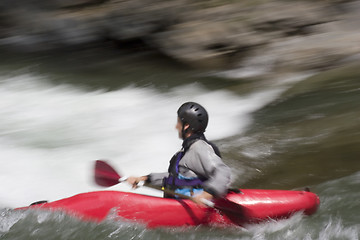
x,y
171,192
106,176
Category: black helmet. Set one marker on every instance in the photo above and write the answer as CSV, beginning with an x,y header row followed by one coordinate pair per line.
x,y
195,115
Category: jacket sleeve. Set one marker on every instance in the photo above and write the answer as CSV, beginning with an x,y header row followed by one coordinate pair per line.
x,y
156,178
203,161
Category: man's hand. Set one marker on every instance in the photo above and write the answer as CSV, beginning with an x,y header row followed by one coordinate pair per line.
x,y
204,195
135,180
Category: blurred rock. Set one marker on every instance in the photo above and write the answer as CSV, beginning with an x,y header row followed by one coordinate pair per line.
x,y
272,35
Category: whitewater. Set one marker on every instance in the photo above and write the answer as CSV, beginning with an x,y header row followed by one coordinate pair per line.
x,y
50,135
60,113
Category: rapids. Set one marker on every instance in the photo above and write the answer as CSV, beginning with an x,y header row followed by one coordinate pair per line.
x,y
61,112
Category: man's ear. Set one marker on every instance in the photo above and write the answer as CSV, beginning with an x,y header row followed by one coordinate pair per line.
x,y
186,126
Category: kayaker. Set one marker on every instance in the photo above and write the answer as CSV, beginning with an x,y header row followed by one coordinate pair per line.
x,y
197,169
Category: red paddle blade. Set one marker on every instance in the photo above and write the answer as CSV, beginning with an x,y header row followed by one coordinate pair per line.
x,y
105,175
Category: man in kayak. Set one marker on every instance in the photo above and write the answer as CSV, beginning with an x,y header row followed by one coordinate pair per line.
x,y
197,169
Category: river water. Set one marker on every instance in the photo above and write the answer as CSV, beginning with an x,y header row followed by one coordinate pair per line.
x,y
60,112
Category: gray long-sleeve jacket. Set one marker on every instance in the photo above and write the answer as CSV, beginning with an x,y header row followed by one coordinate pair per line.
x,y
201,161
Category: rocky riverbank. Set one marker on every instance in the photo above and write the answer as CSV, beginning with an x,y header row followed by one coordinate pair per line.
x,y
256,36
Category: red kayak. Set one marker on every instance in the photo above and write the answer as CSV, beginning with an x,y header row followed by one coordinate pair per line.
x,y
247,206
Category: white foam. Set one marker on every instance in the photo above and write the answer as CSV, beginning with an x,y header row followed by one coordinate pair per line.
x,y
50,135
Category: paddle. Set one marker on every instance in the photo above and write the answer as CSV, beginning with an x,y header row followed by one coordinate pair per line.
x,y
106,176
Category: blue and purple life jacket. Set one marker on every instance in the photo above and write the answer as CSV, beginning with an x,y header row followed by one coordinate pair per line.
x,y
175,180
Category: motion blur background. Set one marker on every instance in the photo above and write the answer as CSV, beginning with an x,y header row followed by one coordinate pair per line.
x,y
82,80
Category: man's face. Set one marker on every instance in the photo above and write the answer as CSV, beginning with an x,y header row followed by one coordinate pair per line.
x,y
179,127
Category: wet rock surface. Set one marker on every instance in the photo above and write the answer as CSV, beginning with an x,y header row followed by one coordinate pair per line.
x,y
272,36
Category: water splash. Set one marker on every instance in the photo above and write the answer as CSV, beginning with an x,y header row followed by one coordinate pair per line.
x,y
50,134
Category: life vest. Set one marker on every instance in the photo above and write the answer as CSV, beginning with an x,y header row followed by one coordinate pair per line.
x,y
175,180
